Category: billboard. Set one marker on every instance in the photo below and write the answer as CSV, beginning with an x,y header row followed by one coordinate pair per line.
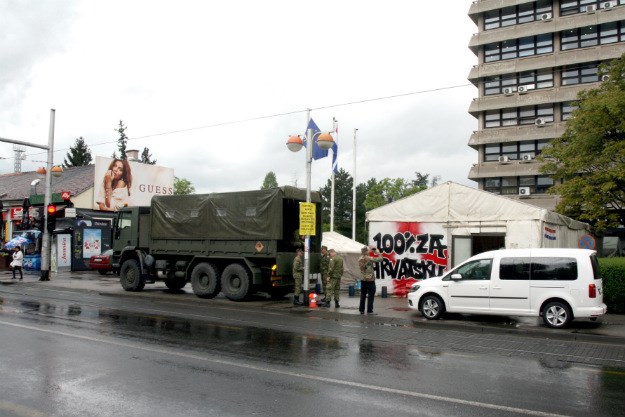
x,y
121,183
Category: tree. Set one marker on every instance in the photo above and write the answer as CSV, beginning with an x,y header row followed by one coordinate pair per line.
x,y
183,186
79,155
146,157
392,189
587,162
270,181
121,142
343,198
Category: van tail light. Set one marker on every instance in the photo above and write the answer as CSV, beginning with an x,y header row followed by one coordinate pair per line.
x,y
592,291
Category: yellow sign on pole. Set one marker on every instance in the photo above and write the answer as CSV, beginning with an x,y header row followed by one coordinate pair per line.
x,y
307,219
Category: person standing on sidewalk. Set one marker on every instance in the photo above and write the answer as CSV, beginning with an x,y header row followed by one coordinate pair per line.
x,y
18,262
335,272
367,289
298,275
325,278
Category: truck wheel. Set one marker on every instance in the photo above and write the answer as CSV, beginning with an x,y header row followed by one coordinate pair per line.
x,y
235,282
556,315
130,276
176,284
205,280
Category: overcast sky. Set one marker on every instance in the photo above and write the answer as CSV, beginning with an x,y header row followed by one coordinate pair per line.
x,y
197,81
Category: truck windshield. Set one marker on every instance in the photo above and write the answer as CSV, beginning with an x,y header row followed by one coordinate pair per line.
x,y
124,220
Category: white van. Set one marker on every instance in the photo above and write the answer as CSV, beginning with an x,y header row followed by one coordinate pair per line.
x,y
559,284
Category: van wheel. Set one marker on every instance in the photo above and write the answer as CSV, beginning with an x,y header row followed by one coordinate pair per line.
x,y
130,276
432,307
205,280
235,282
556,314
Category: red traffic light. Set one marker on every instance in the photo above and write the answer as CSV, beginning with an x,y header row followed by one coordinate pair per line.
x,y
51,209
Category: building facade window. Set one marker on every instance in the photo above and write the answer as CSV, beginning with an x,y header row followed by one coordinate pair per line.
x,y
566,110
518,48
580,74
537,184
524,150
592,35
526,115
569,7
515,15
509,83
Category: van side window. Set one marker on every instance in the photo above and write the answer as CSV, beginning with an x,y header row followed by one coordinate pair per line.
x,y
554,269
514,269
476,270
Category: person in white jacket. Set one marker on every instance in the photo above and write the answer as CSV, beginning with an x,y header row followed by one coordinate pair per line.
x,y
18,262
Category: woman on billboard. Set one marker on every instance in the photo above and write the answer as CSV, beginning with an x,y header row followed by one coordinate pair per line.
x,y
115,191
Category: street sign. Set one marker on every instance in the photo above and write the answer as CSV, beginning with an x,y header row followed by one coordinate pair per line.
x,y
65,195
307,219
70,211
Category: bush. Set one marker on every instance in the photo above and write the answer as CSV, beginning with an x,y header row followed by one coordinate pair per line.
x,y
612,271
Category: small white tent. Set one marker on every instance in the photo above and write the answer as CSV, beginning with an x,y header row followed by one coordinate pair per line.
x,y
426,233
347,249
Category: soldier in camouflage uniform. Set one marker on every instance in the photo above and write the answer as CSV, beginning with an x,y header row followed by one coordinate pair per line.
x,y
298,275
335,271
367,289
325,278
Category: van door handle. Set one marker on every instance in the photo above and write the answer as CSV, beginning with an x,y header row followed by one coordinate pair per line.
x,y
496,288
483,288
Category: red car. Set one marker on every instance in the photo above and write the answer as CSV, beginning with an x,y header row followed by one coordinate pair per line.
x,y
102,262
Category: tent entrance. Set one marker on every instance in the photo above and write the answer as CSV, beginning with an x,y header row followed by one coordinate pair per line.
x,y
463,247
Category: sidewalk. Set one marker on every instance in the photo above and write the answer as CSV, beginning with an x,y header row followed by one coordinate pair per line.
x,y
390,310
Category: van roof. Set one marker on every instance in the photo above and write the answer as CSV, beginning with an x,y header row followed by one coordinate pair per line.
x,y
536,252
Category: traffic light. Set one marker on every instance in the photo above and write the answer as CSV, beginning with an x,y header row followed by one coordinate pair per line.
x,y
51,224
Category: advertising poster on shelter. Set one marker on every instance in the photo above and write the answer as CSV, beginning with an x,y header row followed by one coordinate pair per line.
x,y
92,245
122,183
412,251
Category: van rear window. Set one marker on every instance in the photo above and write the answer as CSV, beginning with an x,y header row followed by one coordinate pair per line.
x,y
595,267
538,269
554,269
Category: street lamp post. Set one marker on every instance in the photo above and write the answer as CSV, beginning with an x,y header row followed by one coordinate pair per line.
x,y
295,143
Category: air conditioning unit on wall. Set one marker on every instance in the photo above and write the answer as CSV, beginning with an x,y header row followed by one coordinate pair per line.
x,y
591,8
508,91
503,159
540,122
524,191
608,5
527,157
545,17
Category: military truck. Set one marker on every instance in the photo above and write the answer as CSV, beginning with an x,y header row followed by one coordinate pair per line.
x,y
237,243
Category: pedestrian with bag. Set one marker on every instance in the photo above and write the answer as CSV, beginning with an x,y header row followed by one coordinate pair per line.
x,y
18,262
367,289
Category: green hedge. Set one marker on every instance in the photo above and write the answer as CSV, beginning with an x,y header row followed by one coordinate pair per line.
x,y
612,271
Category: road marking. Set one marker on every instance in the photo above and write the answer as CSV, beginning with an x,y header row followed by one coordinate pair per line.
x,y
293,374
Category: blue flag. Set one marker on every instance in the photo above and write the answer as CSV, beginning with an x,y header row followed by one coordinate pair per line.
x,y
317,152
335,165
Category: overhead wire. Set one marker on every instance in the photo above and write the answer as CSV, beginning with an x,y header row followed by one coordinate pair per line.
x,y
288,113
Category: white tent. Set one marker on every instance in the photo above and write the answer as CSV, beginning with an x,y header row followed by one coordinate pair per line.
x,y
435,229
347,249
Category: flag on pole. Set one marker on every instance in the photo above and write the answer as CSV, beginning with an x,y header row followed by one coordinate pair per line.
x,y
335,148
317,152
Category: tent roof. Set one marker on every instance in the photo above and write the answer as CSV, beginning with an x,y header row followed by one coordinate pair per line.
x,y
340,243
452,202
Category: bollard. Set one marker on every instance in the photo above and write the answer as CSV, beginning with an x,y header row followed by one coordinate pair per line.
x,y
384,292
351,291
312,302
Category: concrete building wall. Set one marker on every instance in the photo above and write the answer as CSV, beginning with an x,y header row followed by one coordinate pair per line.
x,y
533,58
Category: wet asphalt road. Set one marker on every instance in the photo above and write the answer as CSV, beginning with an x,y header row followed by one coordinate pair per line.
x,y
67,353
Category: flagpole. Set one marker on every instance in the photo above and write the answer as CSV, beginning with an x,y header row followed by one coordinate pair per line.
x,y
336,138
354,192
